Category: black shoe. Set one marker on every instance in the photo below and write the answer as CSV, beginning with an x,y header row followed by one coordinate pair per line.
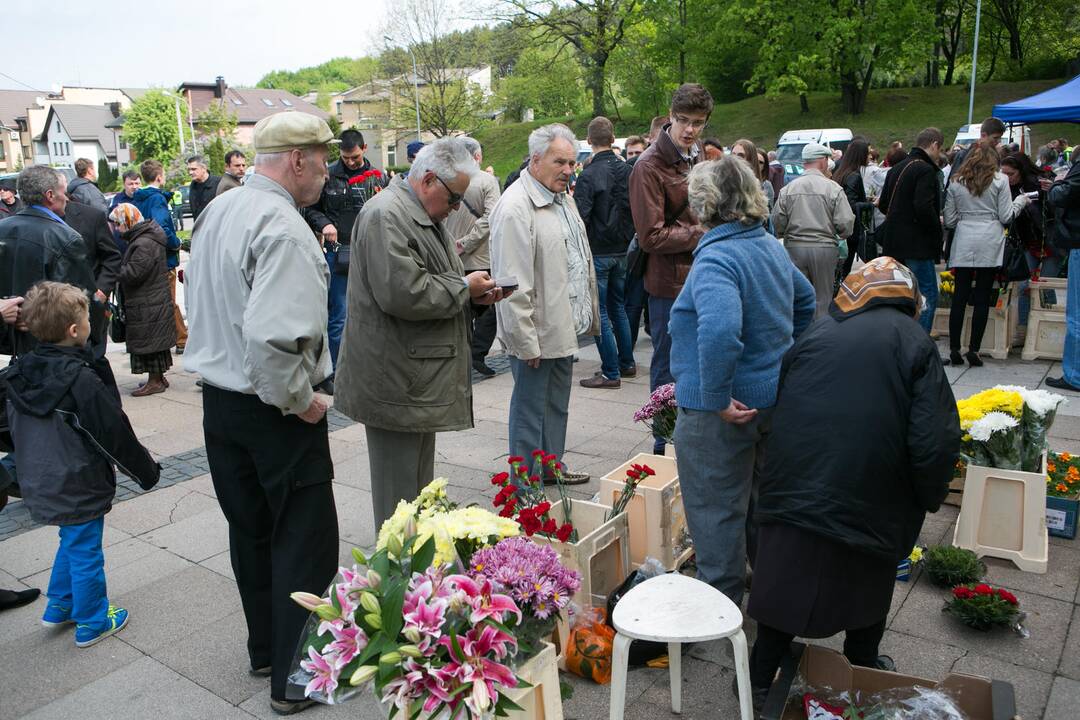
x,y
11,599
1061,384
630,372
264,671
290,707
973,359
886,663
198,383
955,358
481,367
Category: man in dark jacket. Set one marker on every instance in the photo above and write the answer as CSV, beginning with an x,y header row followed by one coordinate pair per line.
x,y
1064,197
352,182
203,185
37,244
9,202
153,203
865,435
602,197
84,187
666,227
235,172
911,202
101,253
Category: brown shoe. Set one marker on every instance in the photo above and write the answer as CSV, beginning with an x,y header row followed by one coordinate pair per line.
x,y
149,389
599,381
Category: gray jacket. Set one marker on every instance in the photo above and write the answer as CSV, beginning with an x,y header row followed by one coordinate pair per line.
x,y
472,231
404,363
812,210
980,222
86,192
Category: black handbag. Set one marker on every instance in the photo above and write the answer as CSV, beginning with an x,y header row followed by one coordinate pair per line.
x,y
118,321
636,260
1014,264
341,260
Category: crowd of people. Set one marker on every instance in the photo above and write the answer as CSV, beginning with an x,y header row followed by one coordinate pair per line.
x,y
799,368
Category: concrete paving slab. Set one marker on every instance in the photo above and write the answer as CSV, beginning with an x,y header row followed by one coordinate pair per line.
x,y
143,689
158,508
195,538
354,472
356,524
1031,686
34,550
221,564
1061,580
45,666
1064,699
363,706
1070,656
203,484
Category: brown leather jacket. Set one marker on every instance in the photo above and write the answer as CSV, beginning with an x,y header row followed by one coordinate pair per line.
x,y
666,227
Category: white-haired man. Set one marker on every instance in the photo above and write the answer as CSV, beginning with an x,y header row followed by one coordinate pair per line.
x,y
404,368
257,284
538,237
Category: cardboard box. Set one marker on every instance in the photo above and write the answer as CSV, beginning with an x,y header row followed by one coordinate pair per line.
x,y
979,698
1061,516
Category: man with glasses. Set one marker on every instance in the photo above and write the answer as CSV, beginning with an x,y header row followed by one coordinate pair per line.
x,y
666,227
404,369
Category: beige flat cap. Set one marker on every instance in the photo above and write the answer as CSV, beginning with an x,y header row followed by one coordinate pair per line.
x,y
287,130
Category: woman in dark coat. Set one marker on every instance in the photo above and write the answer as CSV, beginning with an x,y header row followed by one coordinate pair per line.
x,y
849,175
838,511
148,306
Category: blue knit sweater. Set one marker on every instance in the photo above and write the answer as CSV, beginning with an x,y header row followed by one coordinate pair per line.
x,y
743,304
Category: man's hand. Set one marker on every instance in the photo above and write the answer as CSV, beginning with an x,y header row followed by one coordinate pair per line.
x,y
1046,184
459,247
737,413
10,309
480,284
320,403
329,234
534,363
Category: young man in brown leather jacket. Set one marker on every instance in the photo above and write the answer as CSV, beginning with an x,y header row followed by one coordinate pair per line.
x,y
666,227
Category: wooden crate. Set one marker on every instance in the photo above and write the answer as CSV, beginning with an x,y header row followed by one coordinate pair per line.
x,y
999,327
1046,321
542,701
657,521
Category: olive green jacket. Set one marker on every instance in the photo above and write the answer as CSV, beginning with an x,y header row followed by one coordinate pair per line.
x,y
404,362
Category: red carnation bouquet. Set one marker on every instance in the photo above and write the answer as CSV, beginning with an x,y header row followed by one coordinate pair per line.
x,y
521,496
983,607
634,477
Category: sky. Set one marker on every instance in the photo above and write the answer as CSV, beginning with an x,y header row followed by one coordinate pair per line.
x,y
158,43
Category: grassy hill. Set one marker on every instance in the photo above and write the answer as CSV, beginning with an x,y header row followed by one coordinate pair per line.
x,y
894,114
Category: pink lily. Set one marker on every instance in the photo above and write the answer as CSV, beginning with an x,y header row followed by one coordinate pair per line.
x,y
477,667
427,618
307,600
485,603
349,641
325,672
406,687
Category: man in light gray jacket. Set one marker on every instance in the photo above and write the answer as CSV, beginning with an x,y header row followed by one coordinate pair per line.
x,y
257,285
812,215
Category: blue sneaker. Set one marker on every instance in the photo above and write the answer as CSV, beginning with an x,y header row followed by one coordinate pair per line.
x,y
85,636
56,615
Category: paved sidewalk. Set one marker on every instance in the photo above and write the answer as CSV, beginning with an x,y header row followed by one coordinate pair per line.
x,y
183,654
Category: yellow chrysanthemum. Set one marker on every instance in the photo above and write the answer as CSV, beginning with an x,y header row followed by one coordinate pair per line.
x,y
975,407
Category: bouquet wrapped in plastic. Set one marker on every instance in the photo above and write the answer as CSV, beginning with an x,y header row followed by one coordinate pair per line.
x,y
660,412
1040,409
997,441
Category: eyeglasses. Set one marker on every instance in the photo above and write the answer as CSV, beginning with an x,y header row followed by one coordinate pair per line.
x,y
695,124
454,198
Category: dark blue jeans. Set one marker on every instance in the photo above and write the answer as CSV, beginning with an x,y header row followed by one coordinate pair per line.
x,y
335,307
925,272
616,349
660,368
636,297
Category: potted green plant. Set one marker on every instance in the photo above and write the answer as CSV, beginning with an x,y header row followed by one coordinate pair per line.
x,y
949,566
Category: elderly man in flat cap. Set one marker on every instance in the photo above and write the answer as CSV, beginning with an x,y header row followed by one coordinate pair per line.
x,y
812,215
257,285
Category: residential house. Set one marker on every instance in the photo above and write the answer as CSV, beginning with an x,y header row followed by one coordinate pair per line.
x,y
84,131
13,104
250,105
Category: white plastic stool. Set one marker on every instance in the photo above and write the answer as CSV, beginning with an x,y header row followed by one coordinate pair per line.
x,y
676,609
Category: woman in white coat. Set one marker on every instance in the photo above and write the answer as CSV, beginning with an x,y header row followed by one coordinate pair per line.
x,y
979,206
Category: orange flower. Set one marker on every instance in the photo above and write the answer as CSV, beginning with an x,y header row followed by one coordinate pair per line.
x,y
1073,472
1065,457
1051,467
1061,487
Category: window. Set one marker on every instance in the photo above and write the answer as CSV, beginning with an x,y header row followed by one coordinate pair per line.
x,y
268,102
67,148
3,156
123,143
286,102
391,155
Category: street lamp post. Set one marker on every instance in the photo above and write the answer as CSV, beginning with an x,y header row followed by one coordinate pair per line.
x,y
179,121
416,85
974,61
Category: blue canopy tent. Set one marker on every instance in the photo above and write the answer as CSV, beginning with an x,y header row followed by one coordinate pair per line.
x,y
1060,104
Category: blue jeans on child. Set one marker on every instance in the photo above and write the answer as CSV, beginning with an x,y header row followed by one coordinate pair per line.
x,y
613,342
335,307
78,574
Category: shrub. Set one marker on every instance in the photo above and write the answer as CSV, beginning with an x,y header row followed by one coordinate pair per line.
x,y
949,566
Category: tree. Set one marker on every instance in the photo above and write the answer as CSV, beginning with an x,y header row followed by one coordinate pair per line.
x,y
594,29
107,177
548,82
333,75
950,23
150,126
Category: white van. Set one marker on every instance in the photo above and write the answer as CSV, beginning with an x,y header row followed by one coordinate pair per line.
x,y
969,134
789,147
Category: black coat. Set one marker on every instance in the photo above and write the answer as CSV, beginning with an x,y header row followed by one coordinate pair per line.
x,y
1064,198
602,196
865,432
69,431
855,192
201,193
341,201
911,202
34,247
148,304
101,250
7,211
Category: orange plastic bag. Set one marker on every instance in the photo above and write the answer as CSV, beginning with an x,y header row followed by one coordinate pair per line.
x,y
591,640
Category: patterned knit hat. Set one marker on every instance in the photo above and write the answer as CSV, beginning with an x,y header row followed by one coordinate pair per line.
x,y
125,216
883,281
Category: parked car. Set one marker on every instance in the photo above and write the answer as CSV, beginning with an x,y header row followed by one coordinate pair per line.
x,y
789,147
968,134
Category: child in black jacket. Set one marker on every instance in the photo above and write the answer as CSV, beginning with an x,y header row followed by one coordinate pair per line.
x,y
69,430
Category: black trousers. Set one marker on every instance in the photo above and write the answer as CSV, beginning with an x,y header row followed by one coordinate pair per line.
x,y
983,281
485,326
860,648
272,477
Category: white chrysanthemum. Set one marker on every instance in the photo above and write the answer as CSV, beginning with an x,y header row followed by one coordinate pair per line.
x,y
1041,402
991,423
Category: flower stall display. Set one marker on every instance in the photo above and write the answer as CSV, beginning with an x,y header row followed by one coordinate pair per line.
x,y
983,607
1062,494
521,496
431,640
1039,410
660,412
537,581
1006,426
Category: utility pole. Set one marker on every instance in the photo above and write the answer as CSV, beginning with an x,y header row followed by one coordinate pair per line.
x,y
974,61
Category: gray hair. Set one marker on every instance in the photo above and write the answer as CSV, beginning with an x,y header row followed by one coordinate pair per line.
x,y
472,144
198,160
37,180
726,190
541,138
771,155
446,157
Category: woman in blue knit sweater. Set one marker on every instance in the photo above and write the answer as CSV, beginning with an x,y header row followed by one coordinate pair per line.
x,y
742,307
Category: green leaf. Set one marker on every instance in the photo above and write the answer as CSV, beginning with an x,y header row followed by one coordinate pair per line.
x,y
456,646
586,668
506,703
590,650
392,600
423,556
